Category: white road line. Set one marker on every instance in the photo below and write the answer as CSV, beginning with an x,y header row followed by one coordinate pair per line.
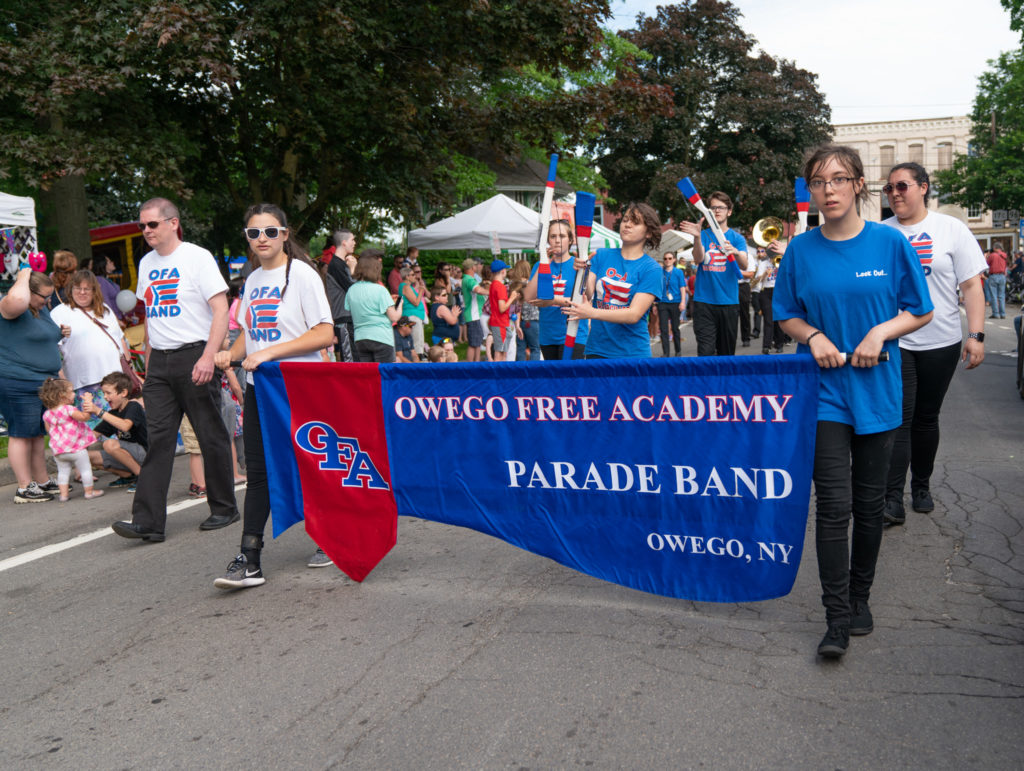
x,y
78,540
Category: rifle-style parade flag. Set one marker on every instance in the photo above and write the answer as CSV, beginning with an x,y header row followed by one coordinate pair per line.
x,y
688,478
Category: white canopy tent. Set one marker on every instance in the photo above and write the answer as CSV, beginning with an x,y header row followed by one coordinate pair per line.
x,y
678,242
517,227
17,232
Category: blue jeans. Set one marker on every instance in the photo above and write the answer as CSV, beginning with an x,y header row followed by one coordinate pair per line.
x,y
849,482
997,281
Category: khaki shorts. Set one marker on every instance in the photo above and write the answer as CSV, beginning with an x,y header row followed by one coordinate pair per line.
x,y
188,438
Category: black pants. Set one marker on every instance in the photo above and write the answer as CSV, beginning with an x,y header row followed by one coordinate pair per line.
x,y
755,303
345,333
849,479
257,493
926,377
668,323
371,350
554,352
169,392
772,333
745,312
714,326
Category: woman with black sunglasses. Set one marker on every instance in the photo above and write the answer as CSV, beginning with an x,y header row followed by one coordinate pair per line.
x,y
285,316
951,258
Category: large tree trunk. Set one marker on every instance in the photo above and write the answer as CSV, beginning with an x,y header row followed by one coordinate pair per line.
x,y
65,202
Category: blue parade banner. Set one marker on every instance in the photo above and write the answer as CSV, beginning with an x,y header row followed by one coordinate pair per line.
x,y
688,478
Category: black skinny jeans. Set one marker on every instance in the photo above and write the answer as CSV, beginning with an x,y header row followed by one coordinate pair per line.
x,y
715,326
849,479
668,324
926,378
256,510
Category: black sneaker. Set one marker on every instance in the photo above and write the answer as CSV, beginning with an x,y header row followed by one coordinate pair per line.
x,y
240,576
52,488
34,493
894,513
124,481
922,501
835,642
860,619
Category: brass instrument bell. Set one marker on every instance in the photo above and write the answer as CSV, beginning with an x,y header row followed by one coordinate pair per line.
x,y
767,229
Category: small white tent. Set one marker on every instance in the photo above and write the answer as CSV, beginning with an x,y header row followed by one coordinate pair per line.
x,y
15,210
17,232
517,227
675,241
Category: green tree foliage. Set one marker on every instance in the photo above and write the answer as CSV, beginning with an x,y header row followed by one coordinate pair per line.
x,y
740,122
321,107
992,174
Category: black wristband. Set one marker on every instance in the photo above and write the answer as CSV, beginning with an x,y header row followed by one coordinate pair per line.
x,y
810,336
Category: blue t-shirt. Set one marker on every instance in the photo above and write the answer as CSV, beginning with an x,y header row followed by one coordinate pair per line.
x,y
552,321
673,284
28,346
718,277
618,281
844,288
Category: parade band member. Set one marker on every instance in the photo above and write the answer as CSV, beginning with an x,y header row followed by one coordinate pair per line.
x,y
289,283
670,306
186,322
951,258
850,285
716,302
563,277
622,286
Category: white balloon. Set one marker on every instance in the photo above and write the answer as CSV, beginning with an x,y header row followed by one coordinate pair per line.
x,y
126,300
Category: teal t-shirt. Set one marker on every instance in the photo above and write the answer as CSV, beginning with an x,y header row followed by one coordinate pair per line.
x,y
368,304
28,346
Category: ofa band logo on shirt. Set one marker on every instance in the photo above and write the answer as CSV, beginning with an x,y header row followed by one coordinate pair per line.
x,y
717,259
161,296
923,244
339,453
612,289
261,315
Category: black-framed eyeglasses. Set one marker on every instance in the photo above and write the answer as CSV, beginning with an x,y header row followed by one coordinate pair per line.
x,y
272,232
902,186
154,224
718,208
836,183
44,296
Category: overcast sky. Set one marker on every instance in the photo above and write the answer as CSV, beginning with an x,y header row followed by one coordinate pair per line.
x,y
876,59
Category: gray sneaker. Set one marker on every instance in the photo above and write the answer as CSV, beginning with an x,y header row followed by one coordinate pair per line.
x,y
240,576
319,560
32,494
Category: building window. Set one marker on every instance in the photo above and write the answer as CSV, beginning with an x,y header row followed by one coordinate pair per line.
x,y
887,159
916,154
945,156
974,211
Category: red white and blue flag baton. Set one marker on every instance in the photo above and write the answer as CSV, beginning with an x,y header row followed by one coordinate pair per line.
x,y
584,225
689,191
803,204
545,287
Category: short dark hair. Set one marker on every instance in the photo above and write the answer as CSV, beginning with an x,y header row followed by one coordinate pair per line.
x,y
917,171
720,196
643,213
118,381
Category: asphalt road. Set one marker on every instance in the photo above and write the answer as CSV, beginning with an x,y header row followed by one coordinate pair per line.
x,y
460,651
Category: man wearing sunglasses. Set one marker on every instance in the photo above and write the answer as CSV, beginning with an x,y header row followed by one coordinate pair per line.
x,y
186,322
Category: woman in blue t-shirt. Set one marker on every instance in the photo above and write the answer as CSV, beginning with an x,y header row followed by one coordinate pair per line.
x,y
846,291
28,349
622,286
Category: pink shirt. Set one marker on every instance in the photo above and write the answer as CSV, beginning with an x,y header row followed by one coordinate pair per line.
x,y
66,433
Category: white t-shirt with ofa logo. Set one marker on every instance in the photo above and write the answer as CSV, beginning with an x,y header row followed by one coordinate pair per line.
x,y
176,290
949,255
267,318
